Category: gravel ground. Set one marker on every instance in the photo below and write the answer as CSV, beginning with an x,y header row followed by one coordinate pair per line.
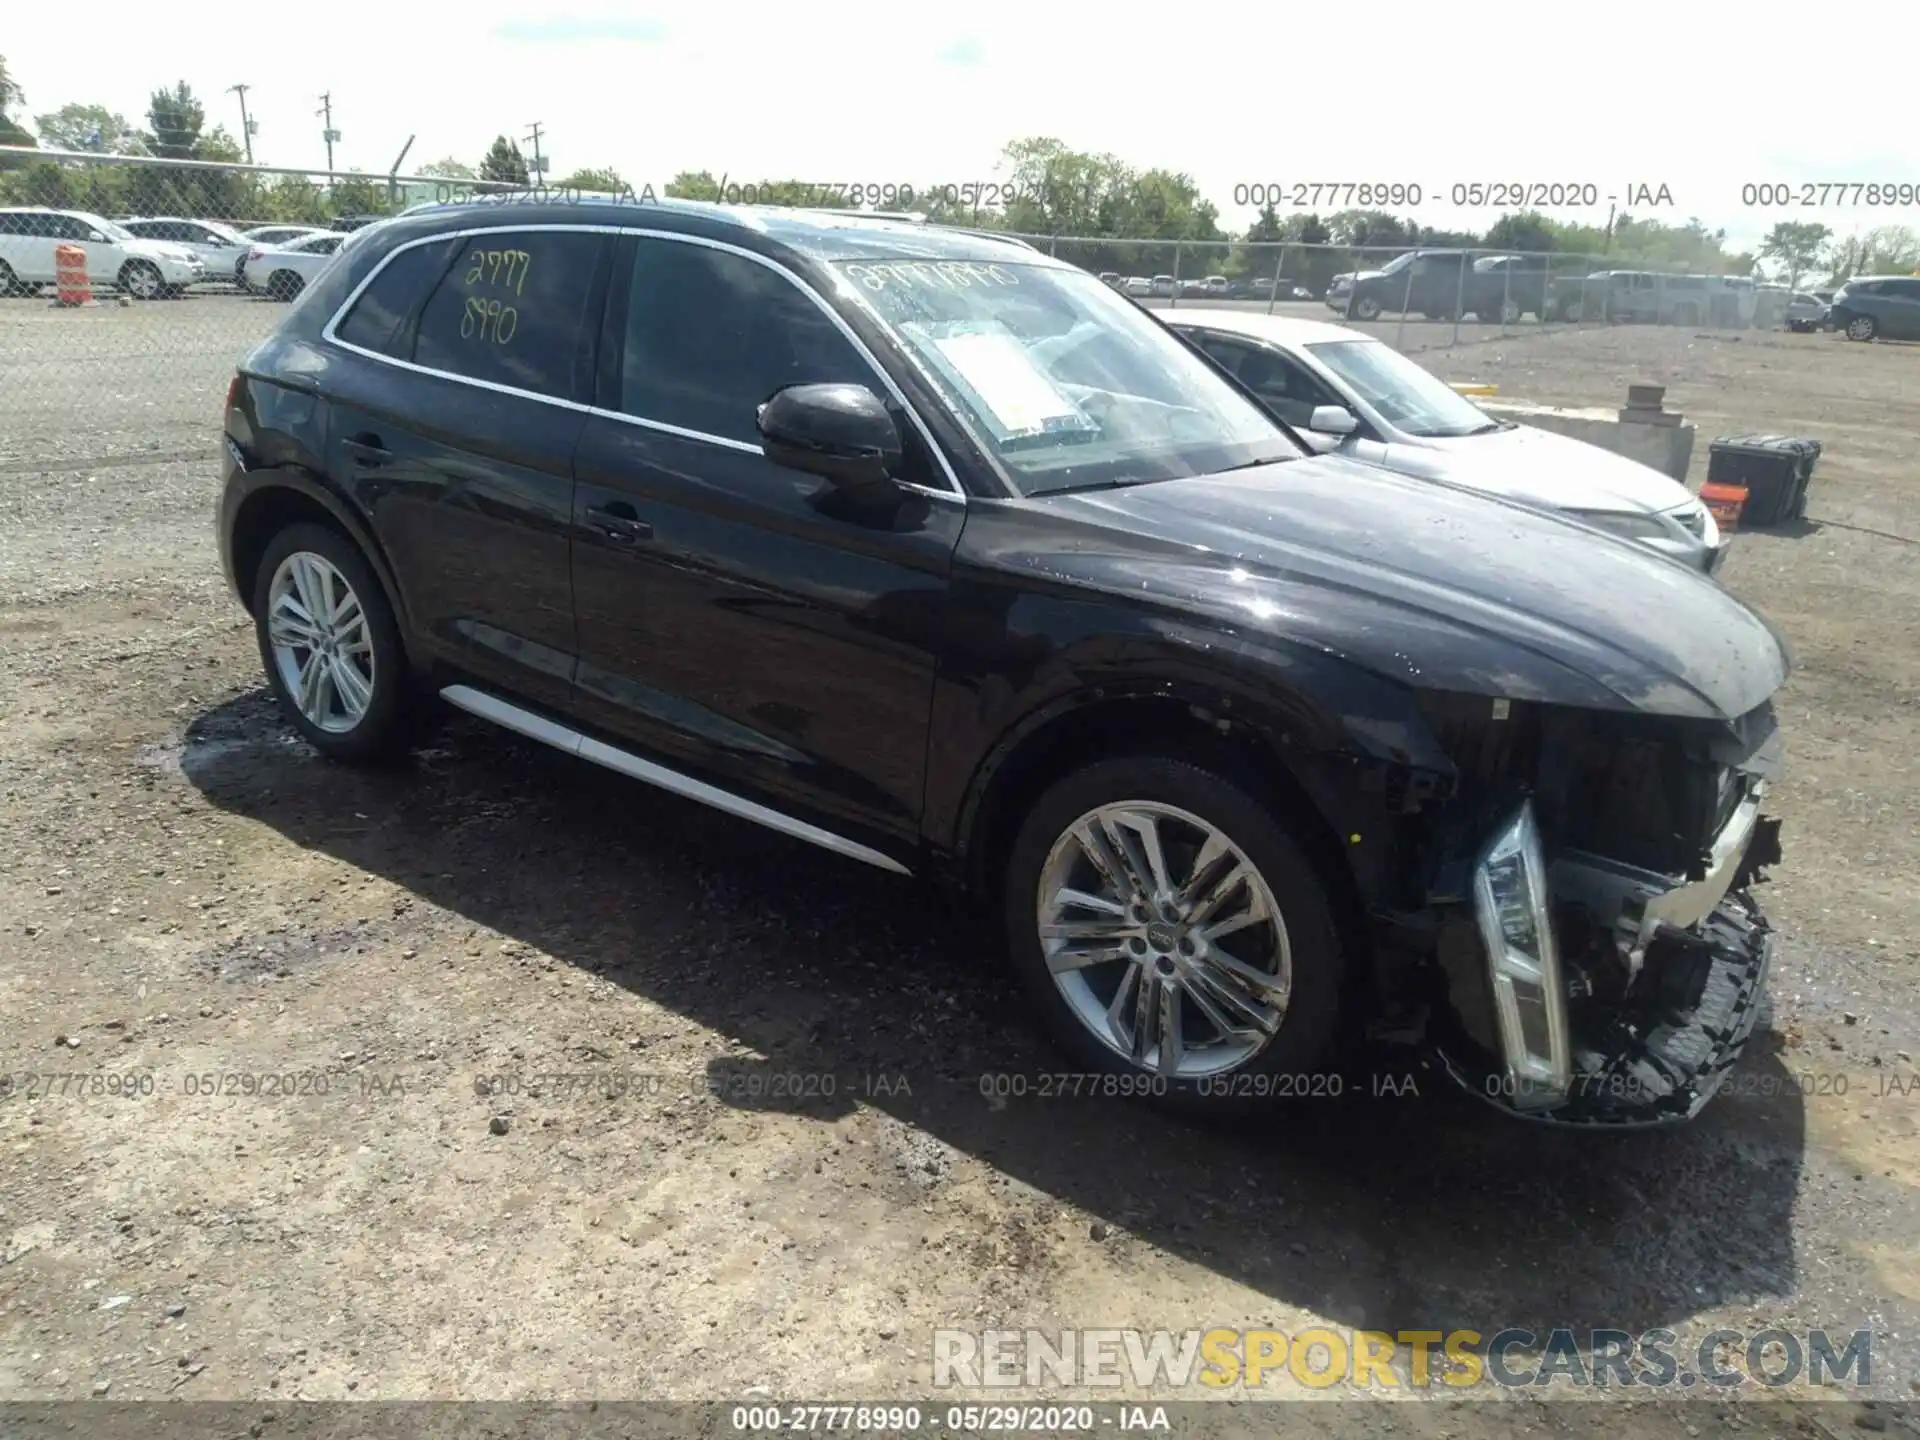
x,y
536,1140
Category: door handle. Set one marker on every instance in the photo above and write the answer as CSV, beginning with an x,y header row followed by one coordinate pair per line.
x,y
367,449
618,523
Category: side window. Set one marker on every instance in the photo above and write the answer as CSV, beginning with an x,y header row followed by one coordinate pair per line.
x,y
68,227
378,318
511,309
710,335
326,244
1284,386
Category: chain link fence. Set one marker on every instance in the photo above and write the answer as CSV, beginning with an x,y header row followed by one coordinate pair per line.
x,y
143,280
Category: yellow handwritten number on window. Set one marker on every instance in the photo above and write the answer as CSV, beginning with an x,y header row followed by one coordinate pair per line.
x,y
488,320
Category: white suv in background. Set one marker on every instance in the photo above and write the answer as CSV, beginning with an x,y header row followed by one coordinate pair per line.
x,y
146,269
220,247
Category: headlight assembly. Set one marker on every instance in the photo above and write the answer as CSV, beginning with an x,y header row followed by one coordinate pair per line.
x,y
1510,903
1627,525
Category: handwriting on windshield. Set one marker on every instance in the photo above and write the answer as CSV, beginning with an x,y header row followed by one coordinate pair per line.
x,y
932,275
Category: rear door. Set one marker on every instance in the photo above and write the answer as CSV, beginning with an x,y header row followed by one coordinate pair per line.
x,y
737,618
454,419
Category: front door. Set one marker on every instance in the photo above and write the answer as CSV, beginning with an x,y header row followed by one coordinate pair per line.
x,y
739,619
462,452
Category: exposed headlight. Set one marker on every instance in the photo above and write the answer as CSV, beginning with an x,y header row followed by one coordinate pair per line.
x,y
1709,531
1629,525
1510,903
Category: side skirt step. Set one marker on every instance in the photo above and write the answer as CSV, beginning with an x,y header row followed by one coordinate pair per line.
x,y
549,732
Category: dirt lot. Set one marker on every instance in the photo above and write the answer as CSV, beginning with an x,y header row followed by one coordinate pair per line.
x,y
497,938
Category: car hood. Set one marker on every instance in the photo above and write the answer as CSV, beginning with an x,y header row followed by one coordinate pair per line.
x,y
1426,583
1542,468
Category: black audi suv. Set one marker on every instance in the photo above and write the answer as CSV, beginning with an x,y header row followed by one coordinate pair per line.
x,y
933,551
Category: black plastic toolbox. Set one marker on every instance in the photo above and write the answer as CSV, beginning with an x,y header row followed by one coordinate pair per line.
x,y
1775,469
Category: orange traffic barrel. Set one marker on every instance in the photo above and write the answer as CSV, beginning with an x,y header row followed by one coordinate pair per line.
x,y
70,276
1725,501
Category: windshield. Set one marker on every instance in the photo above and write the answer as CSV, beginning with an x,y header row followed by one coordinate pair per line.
x,y
1407,397
1067,385
108,228
1397,264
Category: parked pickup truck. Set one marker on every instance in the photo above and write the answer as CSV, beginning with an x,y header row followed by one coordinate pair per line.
x,y
1441,284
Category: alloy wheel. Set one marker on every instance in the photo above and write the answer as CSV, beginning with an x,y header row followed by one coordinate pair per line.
x,y
1164,939
142,280
1860,328
321,644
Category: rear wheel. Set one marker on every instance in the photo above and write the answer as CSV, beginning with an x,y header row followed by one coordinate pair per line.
x,y
285,285
1861,327
9,282
1172,932
331,645
141,280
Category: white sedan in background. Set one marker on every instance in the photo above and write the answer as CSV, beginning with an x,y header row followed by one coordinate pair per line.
x,y
1345,391
283,271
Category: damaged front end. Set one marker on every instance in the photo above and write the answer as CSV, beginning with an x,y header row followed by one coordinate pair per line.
x,y
1601,960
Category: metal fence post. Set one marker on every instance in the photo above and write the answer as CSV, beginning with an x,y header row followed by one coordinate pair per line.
x,y
1279,266
1406,302
1506,294
1173,301
1460,293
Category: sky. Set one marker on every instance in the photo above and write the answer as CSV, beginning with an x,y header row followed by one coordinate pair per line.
x,y
868,93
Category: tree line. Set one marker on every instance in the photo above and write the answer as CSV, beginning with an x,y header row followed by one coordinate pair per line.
x,y
1094,209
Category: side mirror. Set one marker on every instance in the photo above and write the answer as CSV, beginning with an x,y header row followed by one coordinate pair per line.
x,y
96,237
1333,420
840,432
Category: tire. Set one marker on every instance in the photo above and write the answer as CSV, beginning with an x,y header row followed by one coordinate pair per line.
x,y
1506,312
141,280
9,282
285,285
1861,327
1185,800
1364,307
1686,315
385,721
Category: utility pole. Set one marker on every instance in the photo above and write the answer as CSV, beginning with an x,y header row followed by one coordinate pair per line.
x,y
537,167
330,135
246,126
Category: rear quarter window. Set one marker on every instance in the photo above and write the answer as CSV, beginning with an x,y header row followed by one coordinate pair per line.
x,y
379,319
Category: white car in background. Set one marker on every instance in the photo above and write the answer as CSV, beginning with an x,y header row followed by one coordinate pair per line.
x,y
283,271
1345,391
145,269
220,247
273,235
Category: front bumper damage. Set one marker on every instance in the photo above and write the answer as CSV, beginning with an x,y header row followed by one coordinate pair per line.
x,y
1609,996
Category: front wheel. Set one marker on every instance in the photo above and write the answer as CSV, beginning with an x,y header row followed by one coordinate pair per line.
x,y
1861,327
1365,307
141,280
331,646
1170,928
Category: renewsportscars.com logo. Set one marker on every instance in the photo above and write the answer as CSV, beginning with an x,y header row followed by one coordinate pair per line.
x,y
1321,1357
